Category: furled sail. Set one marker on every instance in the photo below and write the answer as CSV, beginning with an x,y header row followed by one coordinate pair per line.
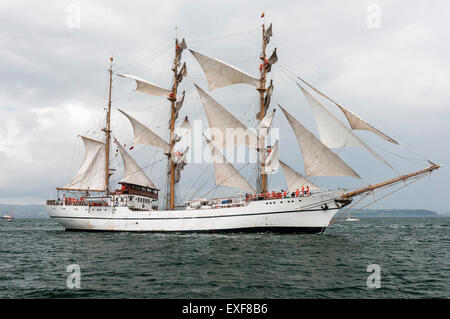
x,y
91,175
179,158
233,132
273,160
183,129
317,158
132,172
178,106
267,99
355,121
181,47
272,60
265,124
295,180
333,133
144,135
220,74
146,87
182,73
268,34
225,173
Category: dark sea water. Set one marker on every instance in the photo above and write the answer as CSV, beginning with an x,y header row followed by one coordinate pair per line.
x,y
413,254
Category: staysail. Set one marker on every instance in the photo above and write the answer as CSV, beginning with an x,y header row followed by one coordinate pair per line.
x,y
132,172
295,180
233,132
355,121
220,74
91,175
318,159
333,133
146,87
225,173
143,135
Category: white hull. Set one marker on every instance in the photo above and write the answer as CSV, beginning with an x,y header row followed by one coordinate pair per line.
x,y
303,214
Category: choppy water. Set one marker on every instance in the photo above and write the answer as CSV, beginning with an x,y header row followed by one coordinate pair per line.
x,y
413,253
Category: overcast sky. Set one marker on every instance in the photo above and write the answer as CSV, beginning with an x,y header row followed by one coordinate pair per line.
x,y
385,60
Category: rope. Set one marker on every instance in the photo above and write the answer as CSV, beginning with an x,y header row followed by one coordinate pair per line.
x,y
294,77
223,37
416,178
237,172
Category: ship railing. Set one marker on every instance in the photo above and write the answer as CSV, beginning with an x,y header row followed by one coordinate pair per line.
x,y
275,195
74,203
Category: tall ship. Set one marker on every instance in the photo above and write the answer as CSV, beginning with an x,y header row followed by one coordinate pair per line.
x,y
89,203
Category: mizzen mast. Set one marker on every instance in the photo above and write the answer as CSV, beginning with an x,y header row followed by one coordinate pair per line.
x,y
107,130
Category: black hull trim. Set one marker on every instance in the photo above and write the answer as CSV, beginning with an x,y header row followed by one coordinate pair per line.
x,y
276,230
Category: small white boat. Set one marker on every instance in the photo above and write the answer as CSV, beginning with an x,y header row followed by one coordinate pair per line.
x,y
8,218
351,219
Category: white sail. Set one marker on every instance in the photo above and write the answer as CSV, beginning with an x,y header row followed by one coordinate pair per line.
x,y
233,132
273,160
265,124
333,133
132,172
318,159
144,135
225,173
146,87
295,180
220,74
355,121
183,129
91,175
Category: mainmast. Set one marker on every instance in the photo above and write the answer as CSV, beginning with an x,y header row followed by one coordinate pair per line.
x,y
173,98
107,130
262,90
